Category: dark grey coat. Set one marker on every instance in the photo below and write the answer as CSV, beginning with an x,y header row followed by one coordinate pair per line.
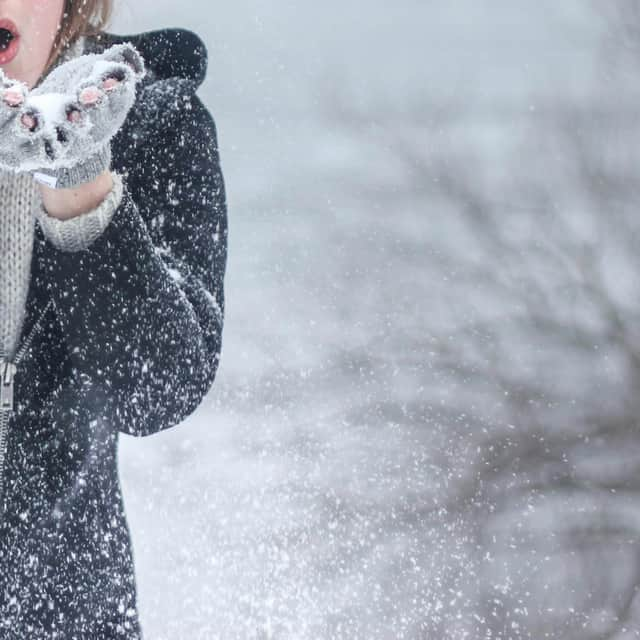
x,y
122,337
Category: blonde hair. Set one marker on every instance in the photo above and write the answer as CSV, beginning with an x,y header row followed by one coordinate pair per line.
x,y
79,18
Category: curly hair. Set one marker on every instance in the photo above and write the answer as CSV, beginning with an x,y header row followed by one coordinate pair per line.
x,y
80,18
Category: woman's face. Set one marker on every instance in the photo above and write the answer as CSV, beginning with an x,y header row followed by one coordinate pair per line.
x,y
27,31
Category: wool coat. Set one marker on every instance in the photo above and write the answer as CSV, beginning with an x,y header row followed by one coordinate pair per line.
x,y
121,337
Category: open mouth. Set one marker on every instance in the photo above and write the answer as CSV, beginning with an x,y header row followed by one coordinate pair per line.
x,y
6,38
9,38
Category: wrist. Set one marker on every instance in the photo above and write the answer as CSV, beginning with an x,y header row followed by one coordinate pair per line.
x,y
85,170
68,203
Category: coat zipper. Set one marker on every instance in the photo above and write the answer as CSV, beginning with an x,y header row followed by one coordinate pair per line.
x,y
7,373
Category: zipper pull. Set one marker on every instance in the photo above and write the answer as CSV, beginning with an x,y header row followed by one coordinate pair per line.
x,y
7,372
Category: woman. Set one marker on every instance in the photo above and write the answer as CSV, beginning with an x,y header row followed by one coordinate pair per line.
x,y
112,259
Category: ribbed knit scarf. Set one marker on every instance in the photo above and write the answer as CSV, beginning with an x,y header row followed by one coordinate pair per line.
x,y
18,198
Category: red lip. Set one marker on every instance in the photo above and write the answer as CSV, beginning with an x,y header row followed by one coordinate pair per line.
x,y
8,54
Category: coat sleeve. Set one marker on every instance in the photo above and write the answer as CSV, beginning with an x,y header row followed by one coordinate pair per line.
x,y
142,307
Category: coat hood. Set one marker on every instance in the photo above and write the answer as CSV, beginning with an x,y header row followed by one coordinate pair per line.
x,y
176,65
168,53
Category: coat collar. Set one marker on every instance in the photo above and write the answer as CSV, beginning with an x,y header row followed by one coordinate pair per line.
x,y
37,294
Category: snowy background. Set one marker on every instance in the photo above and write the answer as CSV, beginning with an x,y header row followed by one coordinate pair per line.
x,y
425,423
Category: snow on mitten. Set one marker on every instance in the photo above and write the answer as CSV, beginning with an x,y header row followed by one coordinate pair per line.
x,y
13,93
60,132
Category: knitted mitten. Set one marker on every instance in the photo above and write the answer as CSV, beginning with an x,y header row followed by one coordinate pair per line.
x,y
12,95
61,131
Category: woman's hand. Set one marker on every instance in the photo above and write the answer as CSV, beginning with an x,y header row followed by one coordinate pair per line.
x,y
60,132
68,203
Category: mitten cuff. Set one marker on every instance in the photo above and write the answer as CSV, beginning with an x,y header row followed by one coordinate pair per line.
x,y
77,233
85,171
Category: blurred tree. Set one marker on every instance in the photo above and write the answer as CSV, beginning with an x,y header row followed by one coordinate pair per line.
x,y
526,339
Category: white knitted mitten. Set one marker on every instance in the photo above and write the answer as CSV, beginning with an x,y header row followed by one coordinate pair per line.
x,y
61,131
12,95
